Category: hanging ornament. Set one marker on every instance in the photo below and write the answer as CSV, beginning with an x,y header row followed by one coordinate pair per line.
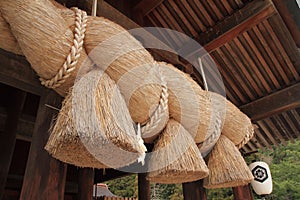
x,y
262,183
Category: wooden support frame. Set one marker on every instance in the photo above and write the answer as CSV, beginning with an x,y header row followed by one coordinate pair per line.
x,y
144,7
274,103
85,183
45,176
242,192
143,186
194,190
241,21
8,137
17,72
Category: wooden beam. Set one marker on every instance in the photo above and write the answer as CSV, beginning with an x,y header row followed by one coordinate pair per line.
x,y
143,186
194,190
45,176
85,183
146,6
17,72
8,137
242,192
108,174
241,21
274,103
290,13
109,12
25,125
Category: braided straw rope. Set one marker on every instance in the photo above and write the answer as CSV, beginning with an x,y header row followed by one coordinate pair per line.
x,y
246,139
72,59
211,140
160,117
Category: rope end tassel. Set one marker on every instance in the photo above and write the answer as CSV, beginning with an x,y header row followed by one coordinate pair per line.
x,y
142,157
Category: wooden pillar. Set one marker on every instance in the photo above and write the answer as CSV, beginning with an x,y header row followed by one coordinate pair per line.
x,y
143,186
242,192
85,183
8,137
45,176
194,190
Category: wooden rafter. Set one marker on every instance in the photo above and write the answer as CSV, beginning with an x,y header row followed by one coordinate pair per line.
x,y
146,6
289,11
241,21
274,103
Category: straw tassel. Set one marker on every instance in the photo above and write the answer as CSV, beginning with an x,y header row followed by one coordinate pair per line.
x,y
227,167
94,127
176,158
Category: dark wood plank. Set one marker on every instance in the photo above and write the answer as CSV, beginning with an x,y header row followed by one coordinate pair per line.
x,y
45,176
143,187
108,174
274,103
274,130
146,6
16,72
241,21
85,183
242,193
290,13
194,190
8,137
262,139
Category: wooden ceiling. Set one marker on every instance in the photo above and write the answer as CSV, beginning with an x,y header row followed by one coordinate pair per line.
x,y
250,41
255,53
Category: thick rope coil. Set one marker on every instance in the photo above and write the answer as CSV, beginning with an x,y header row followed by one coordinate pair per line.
x,y
72,59
160,117
246,139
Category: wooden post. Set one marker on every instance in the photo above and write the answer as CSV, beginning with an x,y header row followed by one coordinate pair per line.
x,y
144,186
194,190
8,137
85,183
45,176
242,192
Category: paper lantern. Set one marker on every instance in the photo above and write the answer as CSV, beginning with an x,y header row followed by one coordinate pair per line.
x,y
262,183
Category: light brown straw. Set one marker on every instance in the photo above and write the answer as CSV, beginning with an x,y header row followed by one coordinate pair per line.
x,y
227,167
176,151
94,127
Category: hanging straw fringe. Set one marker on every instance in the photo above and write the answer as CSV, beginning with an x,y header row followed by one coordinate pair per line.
x,y
72,59
94,127
227,167
176,158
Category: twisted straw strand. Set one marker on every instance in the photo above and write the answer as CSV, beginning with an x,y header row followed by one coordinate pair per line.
x,y
72,59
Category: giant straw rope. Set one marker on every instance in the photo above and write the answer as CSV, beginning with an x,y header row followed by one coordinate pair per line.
x,y
57,41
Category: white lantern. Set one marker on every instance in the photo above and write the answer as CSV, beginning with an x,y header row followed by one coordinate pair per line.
x,y
262,183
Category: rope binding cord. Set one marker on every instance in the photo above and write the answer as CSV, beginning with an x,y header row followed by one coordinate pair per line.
x,y
72,59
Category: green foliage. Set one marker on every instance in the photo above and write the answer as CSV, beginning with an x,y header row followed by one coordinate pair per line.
x,y
220,194
166,191
284,162
124,187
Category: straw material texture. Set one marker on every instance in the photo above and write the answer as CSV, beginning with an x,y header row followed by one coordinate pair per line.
x,y
227,167
43,37
127,63
47,41
176,150
237,125
94,124
7,40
